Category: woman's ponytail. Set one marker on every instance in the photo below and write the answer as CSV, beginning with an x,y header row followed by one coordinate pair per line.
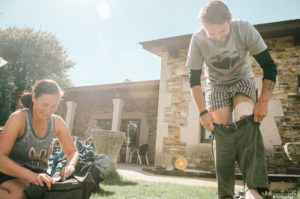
x,y
25,101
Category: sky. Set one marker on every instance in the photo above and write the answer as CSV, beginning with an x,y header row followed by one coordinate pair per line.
x,y
102,37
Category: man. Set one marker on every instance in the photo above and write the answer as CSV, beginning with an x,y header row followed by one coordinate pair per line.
x,y
222,48
89,131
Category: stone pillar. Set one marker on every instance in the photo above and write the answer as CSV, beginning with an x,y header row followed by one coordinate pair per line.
x,y
117,113
71,107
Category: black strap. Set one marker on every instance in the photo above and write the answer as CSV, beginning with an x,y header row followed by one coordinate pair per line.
x,y
203,112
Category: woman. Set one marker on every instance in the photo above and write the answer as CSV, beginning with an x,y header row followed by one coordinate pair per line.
x,y
25,143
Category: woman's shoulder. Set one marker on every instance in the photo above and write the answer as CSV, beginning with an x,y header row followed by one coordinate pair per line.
x,y
57,118
16,121
18,115
61,126
59,122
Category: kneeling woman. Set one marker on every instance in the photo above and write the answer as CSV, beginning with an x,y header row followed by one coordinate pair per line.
x,y
25,143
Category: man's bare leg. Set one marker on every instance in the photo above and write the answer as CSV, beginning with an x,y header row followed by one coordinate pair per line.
x,y
222,115
243,106
252,194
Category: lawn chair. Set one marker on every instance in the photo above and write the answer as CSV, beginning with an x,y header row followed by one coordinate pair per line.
x,y
140,152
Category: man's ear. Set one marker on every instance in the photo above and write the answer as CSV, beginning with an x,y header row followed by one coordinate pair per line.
x,y
230,17
33,97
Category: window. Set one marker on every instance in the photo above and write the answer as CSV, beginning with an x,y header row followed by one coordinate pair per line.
x,y
298,86
132,127
104,124
205,135
256,94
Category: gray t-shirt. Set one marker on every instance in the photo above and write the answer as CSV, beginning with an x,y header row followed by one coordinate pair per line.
x,y
227,63
30,150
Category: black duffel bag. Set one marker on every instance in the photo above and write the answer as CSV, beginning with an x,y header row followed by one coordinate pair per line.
x,y
74,187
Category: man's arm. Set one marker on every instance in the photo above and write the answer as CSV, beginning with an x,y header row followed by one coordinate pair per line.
x,y
198,97
269,79
206,119
261,107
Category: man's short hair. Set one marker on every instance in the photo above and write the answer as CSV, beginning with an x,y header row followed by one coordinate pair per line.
x,y
214,12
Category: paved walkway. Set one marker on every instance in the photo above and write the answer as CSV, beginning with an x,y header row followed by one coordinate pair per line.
x,y
135,172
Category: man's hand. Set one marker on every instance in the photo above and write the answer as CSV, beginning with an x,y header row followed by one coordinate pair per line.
x,y
261,107
207,121
260,111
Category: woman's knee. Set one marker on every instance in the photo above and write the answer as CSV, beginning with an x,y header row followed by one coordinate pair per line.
x,y
12,194
13,189
4,193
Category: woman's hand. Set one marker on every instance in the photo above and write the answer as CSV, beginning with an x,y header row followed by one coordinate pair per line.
x,y
66,141
66,172
41,179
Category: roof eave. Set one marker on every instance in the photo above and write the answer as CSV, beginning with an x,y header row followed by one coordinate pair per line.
x,y
172,45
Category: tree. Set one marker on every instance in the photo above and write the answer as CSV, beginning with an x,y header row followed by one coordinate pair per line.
x,y
31,56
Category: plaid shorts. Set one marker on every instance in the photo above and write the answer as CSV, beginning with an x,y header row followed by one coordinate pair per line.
x,y
220,96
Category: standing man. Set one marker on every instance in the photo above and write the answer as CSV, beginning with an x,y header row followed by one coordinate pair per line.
x,y
89,131
222,48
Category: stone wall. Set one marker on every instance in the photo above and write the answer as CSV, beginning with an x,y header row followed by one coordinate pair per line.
x,y
176,114
287,58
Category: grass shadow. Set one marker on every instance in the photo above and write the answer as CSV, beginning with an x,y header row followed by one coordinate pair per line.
x,y
103,193
115,179
296,188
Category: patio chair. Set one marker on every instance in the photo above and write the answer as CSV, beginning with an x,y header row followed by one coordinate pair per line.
x,y
140,152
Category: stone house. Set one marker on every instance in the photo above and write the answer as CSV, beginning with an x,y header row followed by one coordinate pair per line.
x,y
129,107
168,118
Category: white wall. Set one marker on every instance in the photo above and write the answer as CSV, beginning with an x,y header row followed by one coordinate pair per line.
x,y
164,101
268,126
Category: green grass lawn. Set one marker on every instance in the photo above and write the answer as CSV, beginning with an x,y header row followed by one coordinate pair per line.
x,y
114,187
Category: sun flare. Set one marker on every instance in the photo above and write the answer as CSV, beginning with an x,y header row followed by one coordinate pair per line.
x,y
104,10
